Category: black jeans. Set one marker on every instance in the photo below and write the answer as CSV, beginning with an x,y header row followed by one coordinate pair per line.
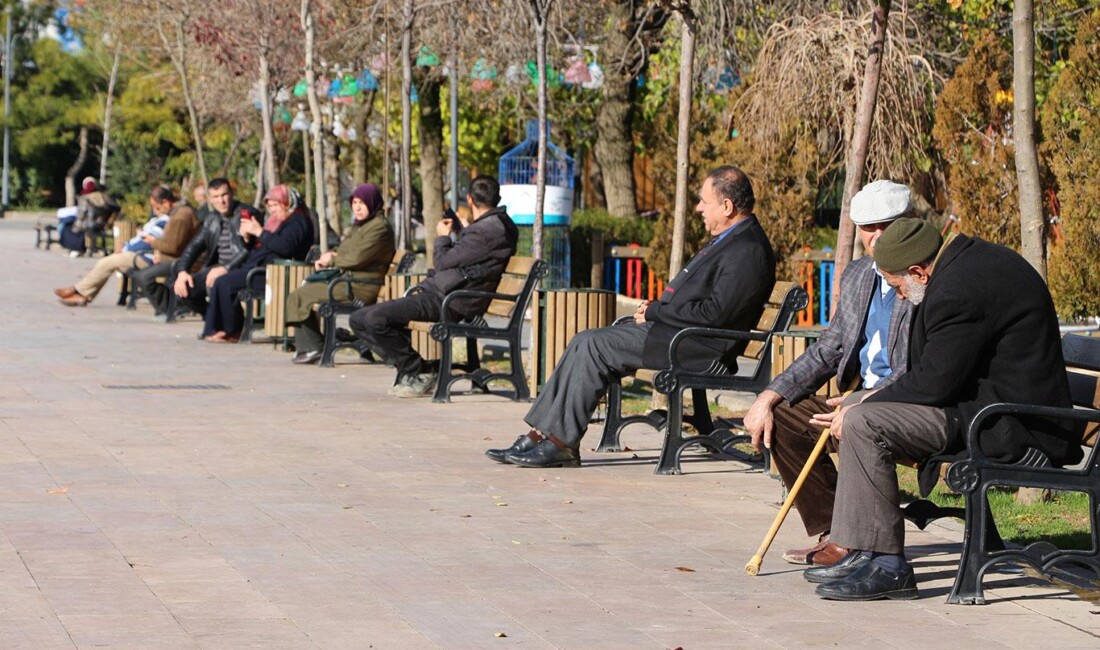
x,y
197,295
156,292
384,328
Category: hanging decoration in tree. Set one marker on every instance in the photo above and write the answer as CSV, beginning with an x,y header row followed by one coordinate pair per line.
x,y
282,115
596,77
483,75
301,89
577,72
513,74
367,81
553,78
379,63
427,58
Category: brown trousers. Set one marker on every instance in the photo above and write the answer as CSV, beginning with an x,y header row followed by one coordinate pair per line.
x,y
793,440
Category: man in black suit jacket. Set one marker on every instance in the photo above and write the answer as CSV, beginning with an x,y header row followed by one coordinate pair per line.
x,y
725,285
984,331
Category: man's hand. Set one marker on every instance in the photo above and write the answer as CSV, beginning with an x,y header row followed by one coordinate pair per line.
x,y
444,228
156,257
324,261
834,420
760,420
183,285
214,274
147,238
639,315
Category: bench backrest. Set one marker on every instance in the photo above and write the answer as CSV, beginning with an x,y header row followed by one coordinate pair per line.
x,y
786,300
1082,356
519,279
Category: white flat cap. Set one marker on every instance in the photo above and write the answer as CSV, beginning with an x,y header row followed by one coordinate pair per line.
x,y
879,201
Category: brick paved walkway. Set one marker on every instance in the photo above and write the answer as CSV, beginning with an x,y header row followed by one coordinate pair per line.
x,y
301,507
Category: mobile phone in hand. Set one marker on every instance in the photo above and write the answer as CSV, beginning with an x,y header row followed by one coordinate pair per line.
x,y
246,215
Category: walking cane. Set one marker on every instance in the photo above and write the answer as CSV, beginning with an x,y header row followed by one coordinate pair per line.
x,y
753,567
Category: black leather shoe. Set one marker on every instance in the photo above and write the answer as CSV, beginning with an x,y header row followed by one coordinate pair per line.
x,y
307,357
545,454
842,569
871,582
524,443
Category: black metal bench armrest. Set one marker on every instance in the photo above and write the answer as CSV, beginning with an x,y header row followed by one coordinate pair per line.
x,y
348,280
247,293
973,432
469,293
708,333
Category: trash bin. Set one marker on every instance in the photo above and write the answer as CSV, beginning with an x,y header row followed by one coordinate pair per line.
x,y
556,317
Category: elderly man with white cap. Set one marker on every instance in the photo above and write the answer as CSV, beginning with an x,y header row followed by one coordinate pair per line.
x,y
866,343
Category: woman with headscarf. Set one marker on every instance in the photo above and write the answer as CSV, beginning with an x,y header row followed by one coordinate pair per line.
x,y
365,253
286,233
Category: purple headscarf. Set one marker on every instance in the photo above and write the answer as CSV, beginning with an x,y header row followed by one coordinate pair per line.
x,y
370,195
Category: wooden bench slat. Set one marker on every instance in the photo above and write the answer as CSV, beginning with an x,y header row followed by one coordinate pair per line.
x,y
520,266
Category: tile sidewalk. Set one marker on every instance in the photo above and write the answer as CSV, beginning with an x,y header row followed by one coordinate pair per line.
x,y
303,508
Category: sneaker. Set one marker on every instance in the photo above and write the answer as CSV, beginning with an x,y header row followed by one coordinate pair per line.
x,y
401,381
420,385
160,318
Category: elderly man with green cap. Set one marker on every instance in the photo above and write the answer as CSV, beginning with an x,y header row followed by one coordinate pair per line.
x,y
984,331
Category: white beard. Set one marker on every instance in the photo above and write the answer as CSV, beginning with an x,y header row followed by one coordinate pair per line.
x,y
914,291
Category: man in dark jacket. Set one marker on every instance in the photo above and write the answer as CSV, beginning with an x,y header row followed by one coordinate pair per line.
x,y
867,343
218,245
984,331
472,258
725,285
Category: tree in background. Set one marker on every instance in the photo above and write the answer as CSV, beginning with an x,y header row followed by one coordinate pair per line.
x,y
1071,126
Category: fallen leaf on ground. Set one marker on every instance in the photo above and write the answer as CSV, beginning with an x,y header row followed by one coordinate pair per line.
x,y
627,449
567,502
61,490
465,516
341,485
517,543
685,569
501,503
501,635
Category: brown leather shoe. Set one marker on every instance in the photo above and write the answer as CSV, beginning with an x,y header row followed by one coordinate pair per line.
x,y
824,553
66,292
75,300
827,556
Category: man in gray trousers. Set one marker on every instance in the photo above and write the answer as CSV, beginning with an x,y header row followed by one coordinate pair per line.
x,y
725,285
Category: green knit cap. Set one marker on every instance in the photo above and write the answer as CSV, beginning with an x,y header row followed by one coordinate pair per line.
x,y
906,242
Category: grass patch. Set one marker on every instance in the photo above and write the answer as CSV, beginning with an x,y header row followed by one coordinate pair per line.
x,y
1062,521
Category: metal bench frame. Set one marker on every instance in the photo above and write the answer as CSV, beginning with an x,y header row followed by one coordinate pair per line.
x,y
788,298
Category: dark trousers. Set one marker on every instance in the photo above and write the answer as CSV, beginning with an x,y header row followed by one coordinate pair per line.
x,y
224,313
156,292
197,296
592,360
793,441
384,328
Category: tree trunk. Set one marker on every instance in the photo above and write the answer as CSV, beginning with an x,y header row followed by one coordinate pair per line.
x,y
271,169
861,137
107,116
431,152
614,147
541,10
1032,227
683,140
70,175
404,225
315,124
238,139
359,148
332,184
179,60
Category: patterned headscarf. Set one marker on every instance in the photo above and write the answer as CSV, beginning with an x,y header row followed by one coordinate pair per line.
x,y
289,197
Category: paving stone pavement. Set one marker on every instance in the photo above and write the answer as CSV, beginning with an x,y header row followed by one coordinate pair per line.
x,y
300,507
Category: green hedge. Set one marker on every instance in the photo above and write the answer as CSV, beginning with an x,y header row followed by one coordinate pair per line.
x,y
615,230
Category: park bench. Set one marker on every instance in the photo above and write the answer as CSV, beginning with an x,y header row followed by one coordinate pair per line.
x,y
509,301
786,299
974,475
328,311
45,233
